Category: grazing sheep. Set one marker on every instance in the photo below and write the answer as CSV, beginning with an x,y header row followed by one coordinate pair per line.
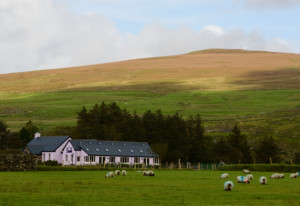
x,y
294,175
150,173
117,172
228,186
145,173
224,176
109,174
242,179
281,175
263,180
249,177
246,171
275,176
124,173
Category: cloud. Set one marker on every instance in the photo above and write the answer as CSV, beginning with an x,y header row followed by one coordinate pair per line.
x,y
38,34
263,4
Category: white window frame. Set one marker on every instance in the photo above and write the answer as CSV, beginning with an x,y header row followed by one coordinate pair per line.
x,y
67,158
49,156
93,158
112,159
136,160
86,159
124,160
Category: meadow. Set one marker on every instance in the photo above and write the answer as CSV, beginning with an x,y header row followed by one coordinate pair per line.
x,y
50,109
167,187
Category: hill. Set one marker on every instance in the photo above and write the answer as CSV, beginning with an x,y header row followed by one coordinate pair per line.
x,y
257,90
208,70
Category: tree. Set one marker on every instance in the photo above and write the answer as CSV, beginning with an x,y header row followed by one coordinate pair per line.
x,y
199,143
221,151
240,150
4,133
267,149
27,132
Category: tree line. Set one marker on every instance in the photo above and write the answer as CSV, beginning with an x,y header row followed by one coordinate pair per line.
x,y
173,137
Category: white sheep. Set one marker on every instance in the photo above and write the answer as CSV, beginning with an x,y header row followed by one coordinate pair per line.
x,y
246,171
124,173
117,172
275,176
242,179
150,173
263,180
109,174
249,177
281,175
224,176
145,173
294,175
228,186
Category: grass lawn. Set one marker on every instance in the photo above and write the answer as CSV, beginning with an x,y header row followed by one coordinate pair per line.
x,y
166,188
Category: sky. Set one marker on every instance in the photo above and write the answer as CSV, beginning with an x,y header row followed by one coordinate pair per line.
x,y
46,34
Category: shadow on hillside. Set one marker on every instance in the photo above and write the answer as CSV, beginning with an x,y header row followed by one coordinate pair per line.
x,y
276,79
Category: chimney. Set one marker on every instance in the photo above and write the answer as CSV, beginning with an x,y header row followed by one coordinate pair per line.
x,y
37,134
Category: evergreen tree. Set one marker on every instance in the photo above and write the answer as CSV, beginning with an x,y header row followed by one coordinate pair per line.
x,y
240,150
267,149
3,135
221,151
27,132
199,143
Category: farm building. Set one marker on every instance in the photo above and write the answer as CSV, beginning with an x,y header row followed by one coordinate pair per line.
x,y
67,151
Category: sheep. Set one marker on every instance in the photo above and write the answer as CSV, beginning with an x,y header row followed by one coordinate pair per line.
x,y
263,180
150,173
246,171
275,176
224,176
249,177
109,174
242,179
228,186
145,173
281,175
294,175
124,173
117,172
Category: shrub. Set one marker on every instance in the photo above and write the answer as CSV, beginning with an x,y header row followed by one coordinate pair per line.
x,y
51,163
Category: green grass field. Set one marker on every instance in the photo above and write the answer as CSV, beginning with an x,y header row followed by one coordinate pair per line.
x,y
166,188
48,110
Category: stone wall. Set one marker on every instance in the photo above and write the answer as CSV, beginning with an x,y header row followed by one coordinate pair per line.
x,y
18,162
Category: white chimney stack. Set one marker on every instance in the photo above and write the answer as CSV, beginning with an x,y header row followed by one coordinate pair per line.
x,y
37,134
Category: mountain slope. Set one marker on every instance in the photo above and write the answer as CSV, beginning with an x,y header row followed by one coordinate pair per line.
x,y
211,70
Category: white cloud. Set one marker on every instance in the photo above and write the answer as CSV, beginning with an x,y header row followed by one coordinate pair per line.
x,y
37,34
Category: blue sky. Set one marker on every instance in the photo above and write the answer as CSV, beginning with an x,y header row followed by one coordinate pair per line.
x,y
279,20
47,34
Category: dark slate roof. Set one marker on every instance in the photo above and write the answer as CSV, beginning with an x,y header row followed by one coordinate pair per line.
x,y
114,148
45,144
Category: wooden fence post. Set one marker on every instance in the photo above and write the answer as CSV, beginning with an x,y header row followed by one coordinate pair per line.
x,y
270,160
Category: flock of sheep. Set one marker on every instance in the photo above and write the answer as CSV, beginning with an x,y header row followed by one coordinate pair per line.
x,y
124,173
228,185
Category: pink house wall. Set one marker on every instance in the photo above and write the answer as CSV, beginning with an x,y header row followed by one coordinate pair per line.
x,y
55,155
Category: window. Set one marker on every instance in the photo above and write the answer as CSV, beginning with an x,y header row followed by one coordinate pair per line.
x,y
131,150
124,159
78,159
101,160
49,156
44,157
106,150
66,158
112,159
119,150
86,158
156,161
92,158
136,160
